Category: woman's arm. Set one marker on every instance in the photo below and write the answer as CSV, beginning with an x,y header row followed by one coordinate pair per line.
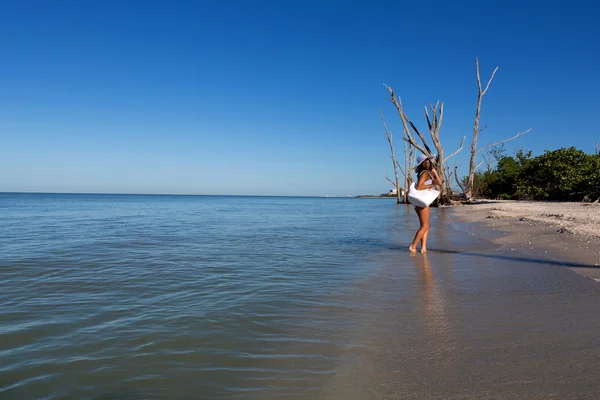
x,y
436,178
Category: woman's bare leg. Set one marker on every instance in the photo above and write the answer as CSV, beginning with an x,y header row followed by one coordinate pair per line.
x,y
423,213
426,215
424,241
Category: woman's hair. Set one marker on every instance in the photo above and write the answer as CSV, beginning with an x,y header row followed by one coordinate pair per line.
x,y
420,167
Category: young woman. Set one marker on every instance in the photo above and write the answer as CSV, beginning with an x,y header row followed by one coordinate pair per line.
x,y
427,178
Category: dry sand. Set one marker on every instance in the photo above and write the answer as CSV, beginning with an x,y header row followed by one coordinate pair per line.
x,y
568,232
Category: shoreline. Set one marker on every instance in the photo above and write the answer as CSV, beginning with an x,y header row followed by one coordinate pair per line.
x,y
567,233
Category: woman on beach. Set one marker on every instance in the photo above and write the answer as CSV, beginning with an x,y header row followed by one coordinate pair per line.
x,y
427,178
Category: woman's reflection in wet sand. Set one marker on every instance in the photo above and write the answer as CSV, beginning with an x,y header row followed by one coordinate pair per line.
x,y
433,305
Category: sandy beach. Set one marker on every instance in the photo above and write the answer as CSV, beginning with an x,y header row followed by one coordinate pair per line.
x,y
567,232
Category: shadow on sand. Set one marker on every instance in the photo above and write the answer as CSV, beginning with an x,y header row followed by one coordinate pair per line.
x,y
503,257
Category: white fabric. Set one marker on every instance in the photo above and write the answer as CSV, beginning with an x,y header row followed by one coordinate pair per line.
x,y
428,181
422,198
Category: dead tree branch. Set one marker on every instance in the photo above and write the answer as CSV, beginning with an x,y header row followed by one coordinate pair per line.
x,y
488,163
409,142
479,80
388,136
406,122
457,180
505,140
401,169
457,151
408,163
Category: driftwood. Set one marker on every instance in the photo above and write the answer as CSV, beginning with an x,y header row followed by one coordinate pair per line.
x,y
474,151
434,123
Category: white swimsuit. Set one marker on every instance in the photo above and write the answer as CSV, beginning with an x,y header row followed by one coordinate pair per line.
x,y
429,181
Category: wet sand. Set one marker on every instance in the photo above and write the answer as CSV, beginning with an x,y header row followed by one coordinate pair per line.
x,y
471,319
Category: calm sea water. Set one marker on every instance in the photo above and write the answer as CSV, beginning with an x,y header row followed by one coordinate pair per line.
x,y
192,297
133,296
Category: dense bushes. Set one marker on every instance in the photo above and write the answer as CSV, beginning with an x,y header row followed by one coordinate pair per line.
x,y
563,174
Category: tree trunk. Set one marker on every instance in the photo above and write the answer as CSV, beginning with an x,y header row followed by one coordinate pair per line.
x,y
469,192
388,136
408,163
480,93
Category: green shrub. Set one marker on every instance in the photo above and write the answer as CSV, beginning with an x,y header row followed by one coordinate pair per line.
x,y
563,174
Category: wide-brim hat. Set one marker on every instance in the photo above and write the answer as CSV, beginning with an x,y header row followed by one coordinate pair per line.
x,y
422,158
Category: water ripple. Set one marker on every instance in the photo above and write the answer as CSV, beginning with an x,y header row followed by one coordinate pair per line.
x,y
113,296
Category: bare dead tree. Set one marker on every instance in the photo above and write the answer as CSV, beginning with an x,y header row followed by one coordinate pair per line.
x,y
491,157
489,163
409,158
388,136
476,131
596,148
460,185
434,122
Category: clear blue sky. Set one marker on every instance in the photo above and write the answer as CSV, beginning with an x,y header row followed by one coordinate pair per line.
x,y
277,97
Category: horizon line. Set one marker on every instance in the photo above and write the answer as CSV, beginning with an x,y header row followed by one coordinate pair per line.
x,y
179,194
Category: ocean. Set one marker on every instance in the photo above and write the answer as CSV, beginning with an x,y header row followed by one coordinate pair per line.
x,y
118,294
232,297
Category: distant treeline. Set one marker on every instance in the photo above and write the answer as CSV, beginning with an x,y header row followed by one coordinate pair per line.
x,y
566,174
